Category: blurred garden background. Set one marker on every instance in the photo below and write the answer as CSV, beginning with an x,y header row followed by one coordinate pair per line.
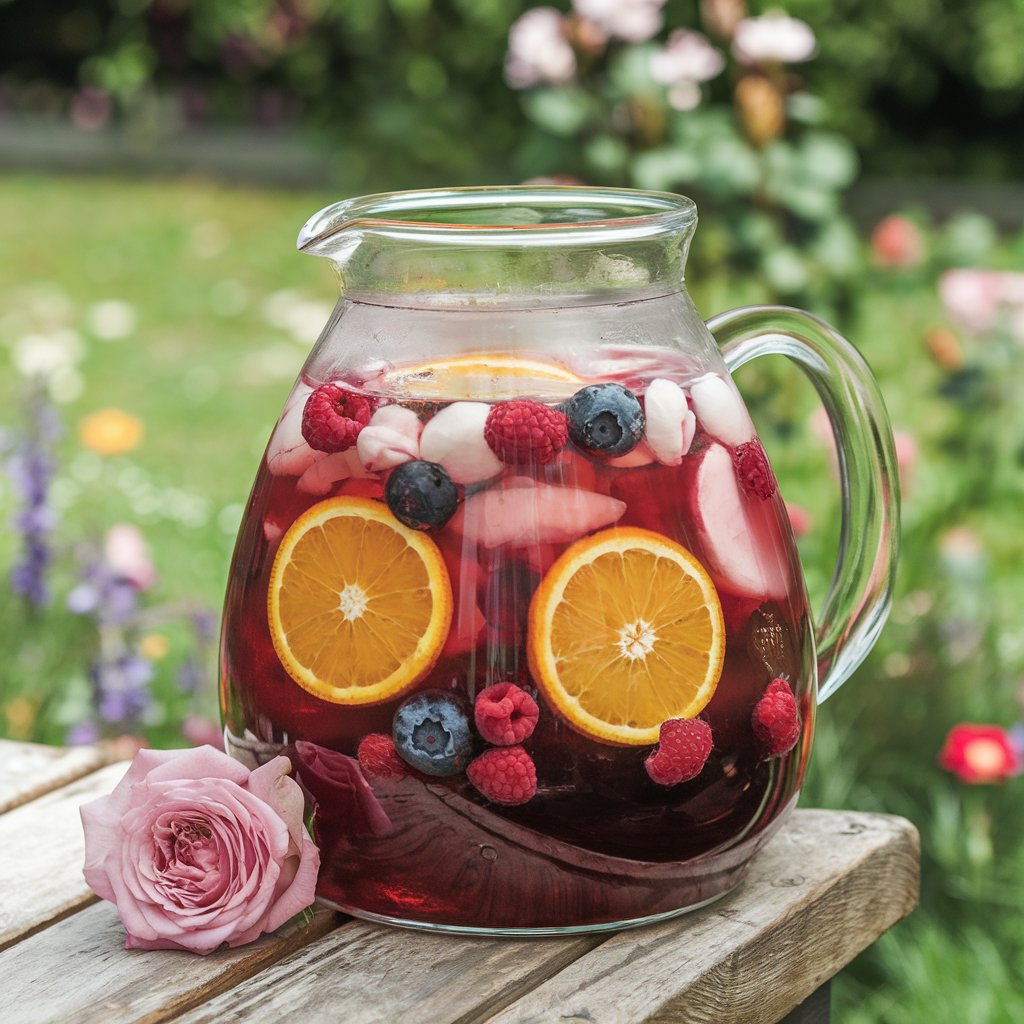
x,y
856,157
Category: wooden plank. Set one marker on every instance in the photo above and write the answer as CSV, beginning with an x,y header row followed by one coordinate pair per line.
x,y
77,972
371,974
825,888
42,849
28,770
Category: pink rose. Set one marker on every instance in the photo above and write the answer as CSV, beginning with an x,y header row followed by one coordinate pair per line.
x,y
195,850
127,554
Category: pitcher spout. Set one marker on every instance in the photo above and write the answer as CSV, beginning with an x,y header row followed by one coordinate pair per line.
x,y
492,245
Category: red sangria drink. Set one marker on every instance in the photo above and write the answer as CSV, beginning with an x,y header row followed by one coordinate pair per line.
x,y
515,589
561,638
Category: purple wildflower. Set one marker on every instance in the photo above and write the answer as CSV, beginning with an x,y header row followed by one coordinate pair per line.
x,y
190,676
122,687
30,468
82,734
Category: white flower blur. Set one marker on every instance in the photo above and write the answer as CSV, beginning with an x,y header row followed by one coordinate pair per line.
x,y
684,95
686,57
635,21
538,51
111,319
775,38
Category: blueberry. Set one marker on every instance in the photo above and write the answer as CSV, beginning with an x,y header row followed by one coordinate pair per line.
x,y
432,734
605,419
421,494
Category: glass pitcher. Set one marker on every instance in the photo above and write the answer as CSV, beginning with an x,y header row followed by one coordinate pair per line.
x,y
515,586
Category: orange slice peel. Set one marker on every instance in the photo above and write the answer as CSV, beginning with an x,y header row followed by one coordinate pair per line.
x,y
626,632
482,377
359,606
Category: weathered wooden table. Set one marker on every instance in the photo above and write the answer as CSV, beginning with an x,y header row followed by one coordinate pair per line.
x,y
825,888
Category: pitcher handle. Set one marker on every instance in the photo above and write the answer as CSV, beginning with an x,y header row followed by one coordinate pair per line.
x,y
860,594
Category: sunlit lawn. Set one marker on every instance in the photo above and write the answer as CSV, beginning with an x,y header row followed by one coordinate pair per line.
x,y
225,310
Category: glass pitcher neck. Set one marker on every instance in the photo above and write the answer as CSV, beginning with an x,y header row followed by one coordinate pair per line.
x,y
509,246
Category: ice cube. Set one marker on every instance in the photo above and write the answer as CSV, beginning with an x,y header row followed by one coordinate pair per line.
x,y
720,410
742,538
323,474
391,438
454,438
670,423
542,514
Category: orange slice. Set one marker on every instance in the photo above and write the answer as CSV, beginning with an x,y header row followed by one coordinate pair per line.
x,y
625,632
359,605
482,377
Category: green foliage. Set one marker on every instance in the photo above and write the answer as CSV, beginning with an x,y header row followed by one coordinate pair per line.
x,y
921,86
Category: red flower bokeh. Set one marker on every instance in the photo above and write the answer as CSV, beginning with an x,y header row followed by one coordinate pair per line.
x,y
981,753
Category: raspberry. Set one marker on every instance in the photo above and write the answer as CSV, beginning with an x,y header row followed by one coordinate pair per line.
x,y
378,758
505,714
683,748
522,432
505,775
754,470
776,719
333,417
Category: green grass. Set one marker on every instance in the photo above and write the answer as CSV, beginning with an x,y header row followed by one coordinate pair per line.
x,y
206,370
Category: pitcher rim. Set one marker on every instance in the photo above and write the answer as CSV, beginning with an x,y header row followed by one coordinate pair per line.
x,y
644,215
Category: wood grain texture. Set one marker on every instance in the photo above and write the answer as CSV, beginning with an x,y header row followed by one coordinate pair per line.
x,y
78,971
824,889
41,854
28,770
372,974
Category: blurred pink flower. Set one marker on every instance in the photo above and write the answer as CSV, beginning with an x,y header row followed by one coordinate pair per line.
x,y
799,519
980,753
897,242
687,55
126,552
977,300
538,50
774,38
635,21
906,457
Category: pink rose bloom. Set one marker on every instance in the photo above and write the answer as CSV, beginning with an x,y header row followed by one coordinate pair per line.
x,y
686,60
978,300
538,51
897,242
195,850
126,552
